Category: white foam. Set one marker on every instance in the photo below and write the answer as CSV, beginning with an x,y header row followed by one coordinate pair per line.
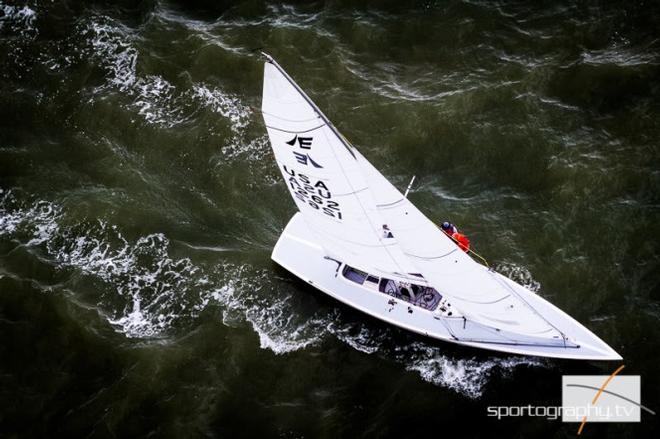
x,y
519,274
356,335
157,100
256,150
227,105
136,324
236,146
37,221
272,337
466,376
21,18
154,290
43,217
9,219
110,45
158,291
153,96
271,316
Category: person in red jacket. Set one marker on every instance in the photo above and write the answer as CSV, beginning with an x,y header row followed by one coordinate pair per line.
x,y
460,239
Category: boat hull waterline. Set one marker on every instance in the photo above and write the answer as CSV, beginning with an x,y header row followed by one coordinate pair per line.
x,y
297,252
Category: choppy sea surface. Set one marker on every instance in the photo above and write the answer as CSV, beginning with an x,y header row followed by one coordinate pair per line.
x,y
139,203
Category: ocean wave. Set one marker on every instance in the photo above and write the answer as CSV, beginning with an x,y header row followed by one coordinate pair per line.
x,y
534,97
286,16
152,96
468,377
402,82
110,45
239,116
36,222
256,150
518,274
157,290
228,106
156,99
18,23
148,292
247,297
17,18
160,103
255,153
357,335
621,57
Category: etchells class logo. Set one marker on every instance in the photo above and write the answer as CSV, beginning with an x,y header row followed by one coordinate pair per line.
x,y
602,398
588,398
303,143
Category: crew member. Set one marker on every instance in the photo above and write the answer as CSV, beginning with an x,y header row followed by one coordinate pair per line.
x,y
449,228
460,239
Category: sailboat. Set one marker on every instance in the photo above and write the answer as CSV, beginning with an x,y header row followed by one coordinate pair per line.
x,y
358,239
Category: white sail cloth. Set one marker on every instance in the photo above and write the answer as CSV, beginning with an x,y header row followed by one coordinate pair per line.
x,y
474,290
346,202
325,180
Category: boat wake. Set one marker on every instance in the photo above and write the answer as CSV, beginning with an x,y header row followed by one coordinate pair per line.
x,y
149,293
468,376
145,290
246,296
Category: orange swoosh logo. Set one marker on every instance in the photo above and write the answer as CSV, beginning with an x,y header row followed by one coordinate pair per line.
x,y
600,392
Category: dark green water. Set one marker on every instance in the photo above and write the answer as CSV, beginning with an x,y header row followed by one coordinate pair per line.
x,y
139,203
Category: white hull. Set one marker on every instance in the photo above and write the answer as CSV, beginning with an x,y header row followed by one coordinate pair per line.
x,y
298,252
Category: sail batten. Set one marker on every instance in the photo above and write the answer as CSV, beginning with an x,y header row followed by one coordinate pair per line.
x,y
296,132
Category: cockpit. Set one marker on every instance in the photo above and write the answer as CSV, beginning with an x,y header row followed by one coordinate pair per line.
x,y
418,295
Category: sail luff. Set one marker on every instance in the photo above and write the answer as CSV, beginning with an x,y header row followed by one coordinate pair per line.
x,y
318,111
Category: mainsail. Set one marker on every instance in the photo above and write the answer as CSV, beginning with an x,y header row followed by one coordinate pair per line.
x,y
363,220
325,179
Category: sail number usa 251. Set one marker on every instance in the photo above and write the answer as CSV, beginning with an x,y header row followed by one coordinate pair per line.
x,y
315,194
